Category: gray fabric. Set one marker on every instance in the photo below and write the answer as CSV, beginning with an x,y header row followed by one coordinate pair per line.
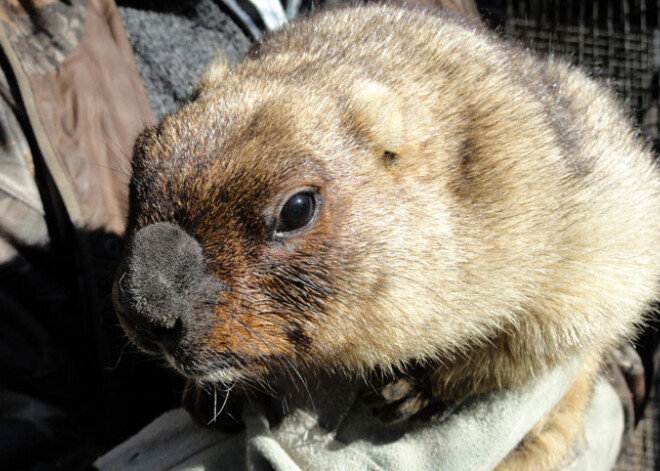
x,y
174,42
604,431
475,437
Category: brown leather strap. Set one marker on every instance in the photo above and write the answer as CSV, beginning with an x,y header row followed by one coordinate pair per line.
x,y
84,100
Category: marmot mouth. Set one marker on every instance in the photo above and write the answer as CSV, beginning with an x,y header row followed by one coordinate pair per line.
x,y
222,376
225,368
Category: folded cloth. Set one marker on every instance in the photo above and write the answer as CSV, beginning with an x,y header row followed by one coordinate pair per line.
x,y
336,434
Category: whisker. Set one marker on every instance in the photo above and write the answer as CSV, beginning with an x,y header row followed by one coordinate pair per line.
x,y
215,403
127,344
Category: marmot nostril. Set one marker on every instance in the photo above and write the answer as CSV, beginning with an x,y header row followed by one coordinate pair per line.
x,y
152,295
168,336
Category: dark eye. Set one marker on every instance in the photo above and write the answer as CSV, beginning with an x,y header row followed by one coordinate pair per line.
x,y
297,212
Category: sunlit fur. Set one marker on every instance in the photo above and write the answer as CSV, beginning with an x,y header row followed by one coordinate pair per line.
x,y
484,211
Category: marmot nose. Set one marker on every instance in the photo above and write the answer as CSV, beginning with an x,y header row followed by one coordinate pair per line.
x,y
154,290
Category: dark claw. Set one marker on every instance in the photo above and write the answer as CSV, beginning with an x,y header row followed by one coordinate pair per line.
x,y
408,397
404,409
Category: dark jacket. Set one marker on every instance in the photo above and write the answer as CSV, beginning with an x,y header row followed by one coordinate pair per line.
x,y
72,104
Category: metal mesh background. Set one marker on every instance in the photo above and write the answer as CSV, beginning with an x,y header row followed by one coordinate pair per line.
x,y
643,452
618,41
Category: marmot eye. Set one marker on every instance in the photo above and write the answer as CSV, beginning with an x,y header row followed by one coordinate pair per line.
x,y
297,212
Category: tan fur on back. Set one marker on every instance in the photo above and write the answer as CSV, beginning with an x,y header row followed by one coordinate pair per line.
x,y
517,225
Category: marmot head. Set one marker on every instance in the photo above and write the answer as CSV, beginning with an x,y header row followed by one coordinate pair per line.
x,y
274,224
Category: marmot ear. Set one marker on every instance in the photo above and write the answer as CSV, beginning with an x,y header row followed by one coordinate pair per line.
x,y
213,75
378,114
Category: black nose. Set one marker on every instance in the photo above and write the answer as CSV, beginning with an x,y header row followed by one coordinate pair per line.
x,y
158,285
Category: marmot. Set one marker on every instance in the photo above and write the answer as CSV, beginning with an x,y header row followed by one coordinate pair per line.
x,y
377,187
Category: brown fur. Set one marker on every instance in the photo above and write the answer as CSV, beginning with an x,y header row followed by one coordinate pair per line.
x,y
483,211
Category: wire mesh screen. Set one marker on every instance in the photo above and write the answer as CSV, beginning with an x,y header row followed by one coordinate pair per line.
x,y
643,451
618,40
